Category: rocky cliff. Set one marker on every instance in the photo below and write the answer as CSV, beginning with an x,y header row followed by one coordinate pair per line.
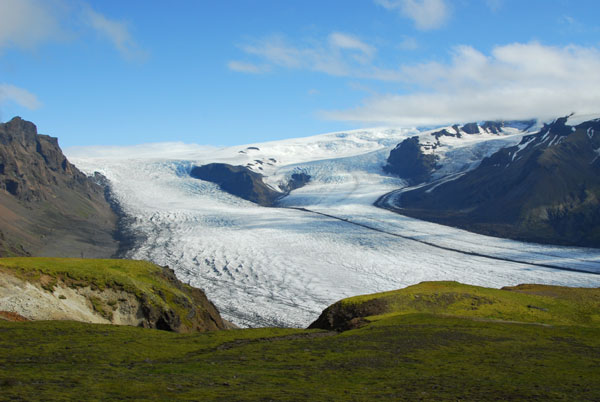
x,y
47,206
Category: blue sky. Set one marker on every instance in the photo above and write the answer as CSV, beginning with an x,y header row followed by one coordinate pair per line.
x,y
232,72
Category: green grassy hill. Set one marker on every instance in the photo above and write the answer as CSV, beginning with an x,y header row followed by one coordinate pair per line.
x,y
432,341
159,299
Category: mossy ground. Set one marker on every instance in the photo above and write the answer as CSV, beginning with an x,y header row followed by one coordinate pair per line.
x,y
554,305
415,356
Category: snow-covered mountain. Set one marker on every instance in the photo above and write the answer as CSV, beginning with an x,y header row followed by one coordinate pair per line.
x,y
326,240
546,188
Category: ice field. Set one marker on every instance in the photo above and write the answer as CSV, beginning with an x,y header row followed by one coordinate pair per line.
x,y
282,266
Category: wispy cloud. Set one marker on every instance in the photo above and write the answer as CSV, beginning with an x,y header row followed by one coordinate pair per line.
x,y
20,96
340,40
494,5
426,14
514,81
244,67
339,54
27,23
117,32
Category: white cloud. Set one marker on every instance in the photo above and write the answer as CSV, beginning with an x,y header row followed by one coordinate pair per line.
x,y
515,81
116,32
349,42
426,14
20,96
244,67
339,55
27,23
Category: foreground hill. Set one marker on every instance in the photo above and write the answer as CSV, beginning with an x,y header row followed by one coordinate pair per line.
x,y
433,341
47,206
545,189
123,292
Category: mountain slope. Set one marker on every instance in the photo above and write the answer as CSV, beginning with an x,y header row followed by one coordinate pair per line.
x,y
545,189
47,206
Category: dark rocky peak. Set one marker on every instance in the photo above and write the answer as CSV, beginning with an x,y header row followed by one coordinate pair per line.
x,y
32,165
408,161
471,128
18,130
447,133
558,127
494,127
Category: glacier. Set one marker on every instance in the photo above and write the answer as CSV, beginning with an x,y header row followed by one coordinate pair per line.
x,y
326,241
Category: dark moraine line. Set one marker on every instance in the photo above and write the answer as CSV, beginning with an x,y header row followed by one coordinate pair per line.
x,y
384,203
471,253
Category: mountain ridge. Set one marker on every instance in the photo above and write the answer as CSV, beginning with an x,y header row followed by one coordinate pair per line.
x,y
544,189
48,206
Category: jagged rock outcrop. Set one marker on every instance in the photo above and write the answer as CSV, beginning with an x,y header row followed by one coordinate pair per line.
x,y
47,206
545,189
409,161
121,292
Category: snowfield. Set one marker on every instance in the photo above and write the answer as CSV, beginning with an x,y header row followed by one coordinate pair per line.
x,y
283,266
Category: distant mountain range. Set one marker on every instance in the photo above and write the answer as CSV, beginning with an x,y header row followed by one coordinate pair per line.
x,y
47,206
544,189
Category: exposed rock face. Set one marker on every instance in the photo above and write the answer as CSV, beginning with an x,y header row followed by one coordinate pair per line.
x,y
546,189
200,313
408,161
244,183
297,180
170,305
237,180
471,128
47,206
345,316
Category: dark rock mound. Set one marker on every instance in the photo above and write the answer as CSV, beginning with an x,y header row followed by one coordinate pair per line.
x,y
244,183
296,181
343,316
409,162
237,180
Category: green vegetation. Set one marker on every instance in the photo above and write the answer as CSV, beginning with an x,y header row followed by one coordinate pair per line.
x,y
524,303
433,343
415,356
136,277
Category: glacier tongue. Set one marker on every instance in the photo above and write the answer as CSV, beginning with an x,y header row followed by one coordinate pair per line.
x,y
282,266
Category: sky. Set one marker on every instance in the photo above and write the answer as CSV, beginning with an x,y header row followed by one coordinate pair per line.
x,y
113,72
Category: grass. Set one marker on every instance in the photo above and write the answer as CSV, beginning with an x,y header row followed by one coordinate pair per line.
x,y
544,304
413,356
